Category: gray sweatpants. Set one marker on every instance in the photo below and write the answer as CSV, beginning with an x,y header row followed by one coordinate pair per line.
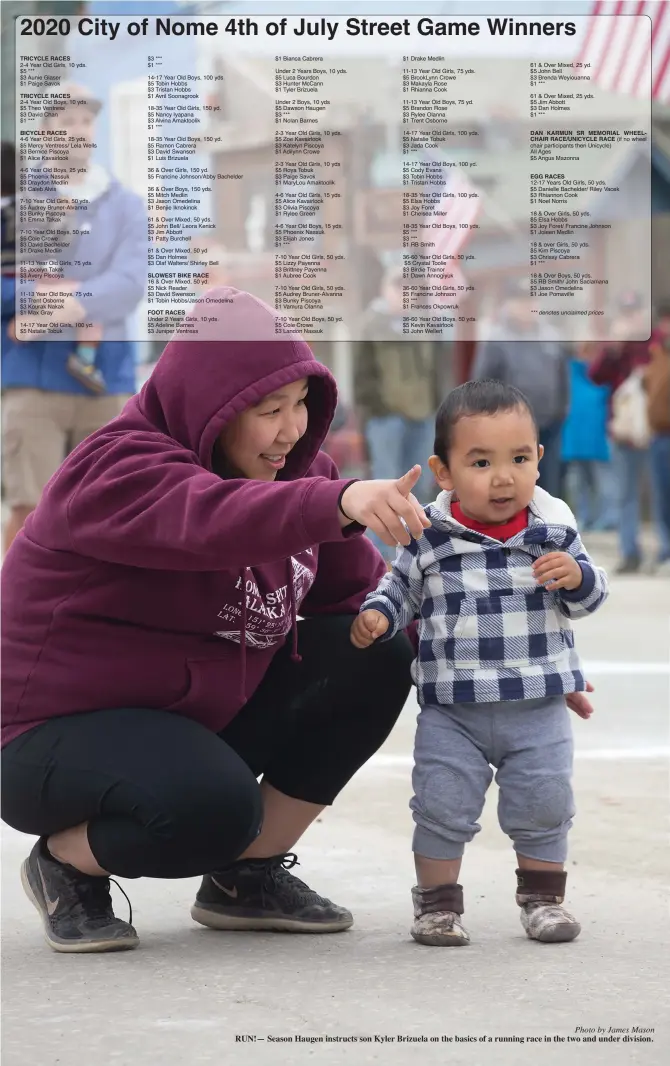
x,y
530,744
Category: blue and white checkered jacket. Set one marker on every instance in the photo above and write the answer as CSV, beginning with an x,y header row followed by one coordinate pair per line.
x,y
487,631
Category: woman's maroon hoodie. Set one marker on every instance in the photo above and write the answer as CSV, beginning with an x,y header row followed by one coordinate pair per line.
x,y
139,569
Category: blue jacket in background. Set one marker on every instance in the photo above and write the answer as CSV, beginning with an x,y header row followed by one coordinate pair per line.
x,y
585,428
113,253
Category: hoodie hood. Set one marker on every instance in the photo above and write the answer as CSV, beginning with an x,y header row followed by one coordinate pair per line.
x,y
199,385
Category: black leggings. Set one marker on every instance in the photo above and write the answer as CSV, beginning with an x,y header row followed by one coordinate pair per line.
x,y
165,797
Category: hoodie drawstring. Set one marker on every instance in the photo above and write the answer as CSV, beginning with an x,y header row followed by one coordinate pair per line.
x,y
243,639
295,658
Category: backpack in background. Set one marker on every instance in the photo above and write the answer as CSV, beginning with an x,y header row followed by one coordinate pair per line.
x,y
630,420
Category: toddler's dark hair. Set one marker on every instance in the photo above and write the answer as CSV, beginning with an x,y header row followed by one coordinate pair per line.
x,y
485,397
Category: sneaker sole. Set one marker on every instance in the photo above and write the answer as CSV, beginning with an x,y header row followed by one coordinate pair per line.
x,y
69,946
231,922
440,940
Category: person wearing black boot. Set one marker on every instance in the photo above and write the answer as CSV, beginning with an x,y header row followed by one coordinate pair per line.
x,y
175,626
494,581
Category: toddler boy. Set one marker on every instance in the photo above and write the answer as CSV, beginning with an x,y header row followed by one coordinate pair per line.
x,y
494,583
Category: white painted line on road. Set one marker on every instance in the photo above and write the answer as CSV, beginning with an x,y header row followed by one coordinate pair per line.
x,y
661,751
387,761
605,666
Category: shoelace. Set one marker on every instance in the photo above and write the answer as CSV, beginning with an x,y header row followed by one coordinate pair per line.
x,y
289,860
275,876
93,892
130,906
278,868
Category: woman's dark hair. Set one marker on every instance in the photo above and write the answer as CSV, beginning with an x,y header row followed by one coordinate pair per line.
x,y
485,397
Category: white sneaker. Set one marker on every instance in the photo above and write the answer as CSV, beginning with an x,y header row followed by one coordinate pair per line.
x,y
549,922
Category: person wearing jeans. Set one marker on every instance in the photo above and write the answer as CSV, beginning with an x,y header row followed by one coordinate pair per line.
x,y
659,455
526,354
585,451
397,443
630,467
612,365
657,385
592,490
396,392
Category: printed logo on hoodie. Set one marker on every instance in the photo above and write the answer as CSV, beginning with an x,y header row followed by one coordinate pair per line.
x,y
268,613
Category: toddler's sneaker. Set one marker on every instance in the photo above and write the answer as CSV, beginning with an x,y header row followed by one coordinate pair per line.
x,y
437,916
540,895
76,909
261,894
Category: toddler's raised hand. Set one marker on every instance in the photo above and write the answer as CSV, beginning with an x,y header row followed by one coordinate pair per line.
x,y
558,570
580,703
367,627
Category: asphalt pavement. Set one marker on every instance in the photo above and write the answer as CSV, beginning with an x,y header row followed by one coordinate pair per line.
x,y
195,996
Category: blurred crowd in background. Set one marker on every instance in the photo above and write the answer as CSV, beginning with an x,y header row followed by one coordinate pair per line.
x,y
603,412
603,409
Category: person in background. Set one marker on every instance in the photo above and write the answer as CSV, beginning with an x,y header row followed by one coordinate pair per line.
x,y
528,356
657,385
82,362
8,212
47,409
613,365
344,443
395,389
585,449
8,204
175,625
211,264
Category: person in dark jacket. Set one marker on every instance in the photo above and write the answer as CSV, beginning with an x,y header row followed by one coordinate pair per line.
x,y
612,366
527,355
47,410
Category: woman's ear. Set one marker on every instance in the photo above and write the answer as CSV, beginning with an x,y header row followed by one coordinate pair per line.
x,y
440,472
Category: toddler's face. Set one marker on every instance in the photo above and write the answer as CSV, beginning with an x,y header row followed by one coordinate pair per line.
x,y
256,442
493,464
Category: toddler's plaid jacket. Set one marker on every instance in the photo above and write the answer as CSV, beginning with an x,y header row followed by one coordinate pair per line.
x,y
487,631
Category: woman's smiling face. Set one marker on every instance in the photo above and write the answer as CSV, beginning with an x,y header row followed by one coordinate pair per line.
x,y
256,442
